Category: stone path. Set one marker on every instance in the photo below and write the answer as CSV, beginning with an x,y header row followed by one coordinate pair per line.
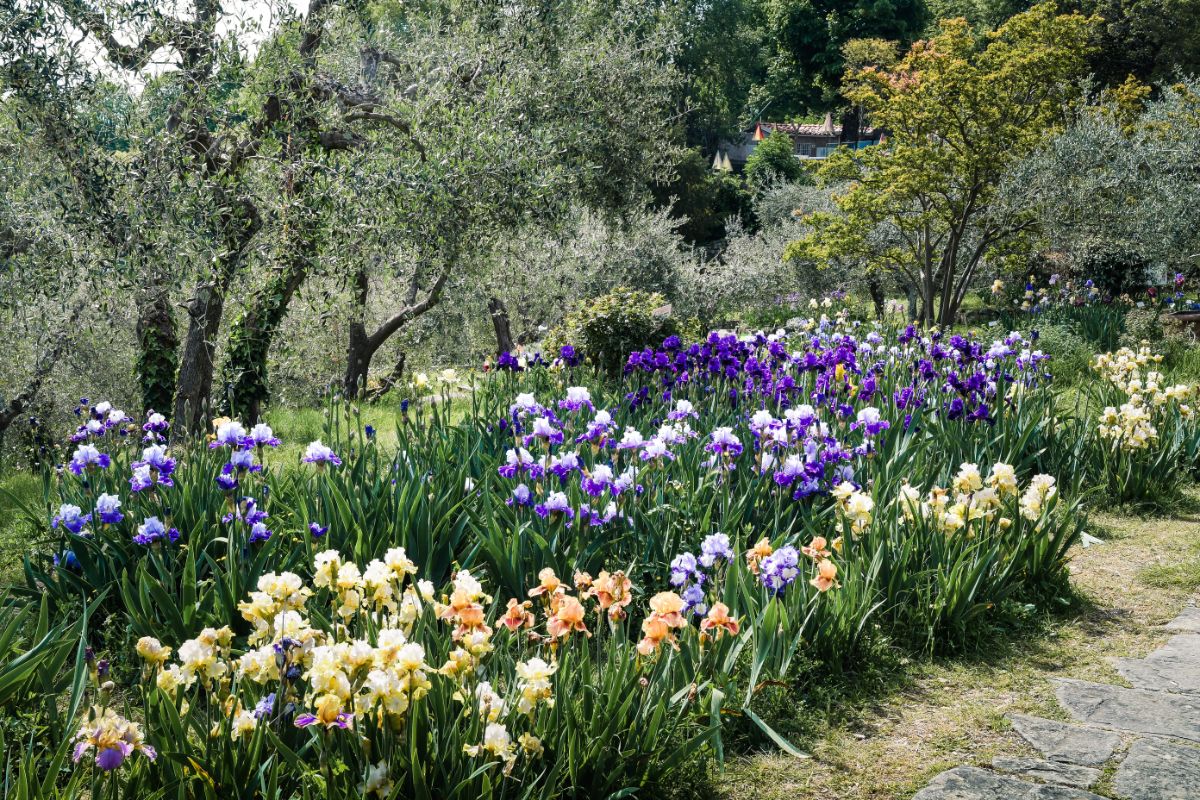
x,y
1150,733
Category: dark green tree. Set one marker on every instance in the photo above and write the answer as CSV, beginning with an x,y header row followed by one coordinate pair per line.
x,y
805,41
721,59
704,200
1153,40
774,159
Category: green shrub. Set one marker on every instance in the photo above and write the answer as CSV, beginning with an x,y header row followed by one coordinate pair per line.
x,y
1071,355
606,329
1167,335
1114,269
775,157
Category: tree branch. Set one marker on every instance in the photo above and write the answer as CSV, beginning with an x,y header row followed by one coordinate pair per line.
x,y
412,311
165,31
395,122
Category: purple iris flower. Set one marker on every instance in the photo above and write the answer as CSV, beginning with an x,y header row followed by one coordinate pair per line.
x,y
509,362
265,707
626,481
231,434
317,530
694,600
156,426
226,479
780,569
521,496
518,460
631,439
683,410
108,506
155,467
577,397
319,454
243,461
343,720
69,561
87,457
262,436
152,530
564,464
715,547
792,468
656,450
598,429
556,504
685,567
597,480
70,517
723,442
543,428
259,532
870,421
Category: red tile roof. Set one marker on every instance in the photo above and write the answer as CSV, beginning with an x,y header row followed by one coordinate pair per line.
x,y
810,129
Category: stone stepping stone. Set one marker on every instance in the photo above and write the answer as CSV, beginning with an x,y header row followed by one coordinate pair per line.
x,y
1059,741
972,783
1174,667
1187,622
1132,710
1048,771
1156,770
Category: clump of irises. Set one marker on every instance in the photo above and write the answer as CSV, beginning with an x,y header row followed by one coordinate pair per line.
x,y
697,578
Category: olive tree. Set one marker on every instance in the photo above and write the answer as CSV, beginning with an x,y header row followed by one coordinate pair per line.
x,y
1120,182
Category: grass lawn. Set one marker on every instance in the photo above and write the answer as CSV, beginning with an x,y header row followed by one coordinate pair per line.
x,y
15,536
946,712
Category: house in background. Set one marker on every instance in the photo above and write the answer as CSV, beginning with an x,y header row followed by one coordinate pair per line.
x,y
809,140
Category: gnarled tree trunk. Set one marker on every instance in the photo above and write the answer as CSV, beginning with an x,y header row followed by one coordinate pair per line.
x,y
251,337
158,349
193,387
500,322
362,346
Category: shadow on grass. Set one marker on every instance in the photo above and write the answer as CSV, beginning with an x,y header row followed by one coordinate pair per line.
x,y
1020,638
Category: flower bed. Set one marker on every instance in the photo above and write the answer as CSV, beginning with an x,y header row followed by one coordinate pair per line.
x,y
568,583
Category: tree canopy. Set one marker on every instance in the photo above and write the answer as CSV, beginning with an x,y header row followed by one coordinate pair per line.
x,y
959,112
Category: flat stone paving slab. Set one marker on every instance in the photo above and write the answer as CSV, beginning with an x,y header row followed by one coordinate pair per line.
x,y
1048,771
1187,622
1155,770
1059,741
1132,710
1174,667
972,783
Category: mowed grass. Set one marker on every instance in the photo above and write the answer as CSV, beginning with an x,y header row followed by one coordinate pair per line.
x,y
296,427
942,713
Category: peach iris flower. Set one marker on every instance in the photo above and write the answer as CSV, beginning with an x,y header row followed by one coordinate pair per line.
x,y
549,583
655,631
718,620
517,615
567,617
816,548
613,591
757,553
826,576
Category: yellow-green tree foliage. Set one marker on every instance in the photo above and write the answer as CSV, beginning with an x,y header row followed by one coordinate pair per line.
x,y
958,110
